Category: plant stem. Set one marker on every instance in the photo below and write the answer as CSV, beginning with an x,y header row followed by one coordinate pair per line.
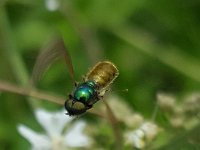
x,y
9,87
115,126
170,56
12,52
84,31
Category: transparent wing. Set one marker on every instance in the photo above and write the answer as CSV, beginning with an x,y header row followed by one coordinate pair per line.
x,y
54,50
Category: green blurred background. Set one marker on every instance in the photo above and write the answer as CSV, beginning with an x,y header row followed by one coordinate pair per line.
x,y
155,45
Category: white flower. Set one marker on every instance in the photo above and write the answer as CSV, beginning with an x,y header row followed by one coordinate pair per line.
x,y
141,137
52,5
123,111
136,138
166,101
56,138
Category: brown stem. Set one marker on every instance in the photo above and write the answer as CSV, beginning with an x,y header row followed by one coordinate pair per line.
x,y
115,126
95,112
9,87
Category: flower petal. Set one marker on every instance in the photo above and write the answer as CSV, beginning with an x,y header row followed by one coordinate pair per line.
x,y
52,122
136,138
150,129
75,136
38,141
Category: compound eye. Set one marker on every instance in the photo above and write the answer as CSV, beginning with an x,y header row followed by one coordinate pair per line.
x,y
74,108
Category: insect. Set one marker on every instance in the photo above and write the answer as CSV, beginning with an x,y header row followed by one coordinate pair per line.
x,y
86,93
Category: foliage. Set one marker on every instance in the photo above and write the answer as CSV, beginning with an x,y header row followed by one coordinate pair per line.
x,y
154,44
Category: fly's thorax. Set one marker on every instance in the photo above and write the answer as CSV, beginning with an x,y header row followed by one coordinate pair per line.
x,y
103,74
85,92
82,99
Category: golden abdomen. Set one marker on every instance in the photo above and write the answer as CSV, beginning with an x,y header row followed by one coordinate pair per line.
x,y
103,74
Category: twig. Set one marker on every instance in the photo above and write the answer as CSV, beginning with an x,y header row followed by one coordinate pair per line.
x,y
8,87
12,53
114,123
170,56
155,112
12,88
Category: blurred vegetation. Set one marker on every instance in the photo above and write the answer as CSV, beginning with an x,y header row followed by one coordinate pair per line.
x,y
155,45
